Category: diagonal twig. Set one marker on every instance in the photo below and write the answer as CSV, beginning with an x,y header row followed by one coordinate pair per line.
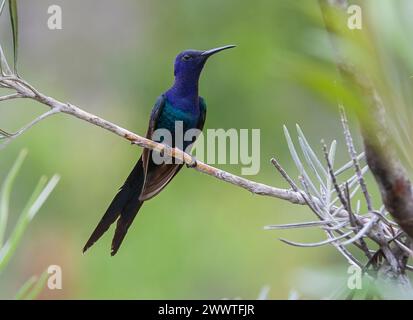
x,y
353,155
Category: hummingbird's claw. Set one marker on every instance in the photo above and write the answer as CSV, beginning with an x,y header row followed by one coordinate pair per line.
x,y
193,163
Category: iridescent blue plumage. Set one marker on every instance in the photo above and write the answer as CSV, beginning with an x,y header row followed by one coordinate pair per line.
x,y
180,103
172,112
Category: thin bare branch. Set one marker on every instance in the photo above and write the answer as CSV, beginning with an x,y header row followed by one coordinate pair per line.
x,y
333,177
28,91
349,164
353,219
353,155
315,244
32,123
11,96
284,174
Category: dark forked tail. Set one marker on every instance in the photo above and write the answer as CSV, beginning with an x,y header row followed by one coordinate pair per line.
x,y
123,207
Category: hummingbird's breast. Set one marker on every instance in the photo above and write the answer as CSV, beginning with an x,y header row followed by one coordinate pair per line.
x,y
173,112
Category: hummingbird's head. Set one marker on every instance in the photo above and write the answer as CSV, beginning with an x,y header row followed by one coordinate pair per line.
x,y
189,63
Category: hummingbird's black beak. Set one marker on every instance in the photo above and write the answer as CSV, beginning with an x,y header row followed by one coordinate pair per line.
x,y
210,52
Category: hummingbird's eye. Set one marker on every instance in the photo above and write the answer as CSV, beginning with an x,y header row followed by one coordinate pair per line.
x,y
186,57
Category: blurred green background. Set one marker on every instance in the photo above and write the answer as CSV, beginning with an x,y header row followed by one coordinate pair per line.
x,y
201,238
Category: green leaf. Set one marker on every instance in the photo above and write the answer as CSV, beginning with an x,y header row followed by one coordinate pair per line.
x,y
4,67
37,287
32,287
25,288
310,163
332,153
297,161
15,29
6,191
2,5
39,196
311,152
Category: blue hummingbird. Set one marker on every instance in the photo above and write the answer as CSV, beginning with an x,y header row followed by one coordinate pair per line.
x,y
180,103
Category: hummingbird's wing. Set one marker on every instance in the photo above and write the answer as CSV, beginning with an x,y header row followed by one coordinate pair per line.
x,y
157,176
156,112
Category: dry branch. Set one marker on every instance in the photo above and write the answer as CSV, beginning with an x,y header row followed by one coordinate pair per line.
x,y
25,90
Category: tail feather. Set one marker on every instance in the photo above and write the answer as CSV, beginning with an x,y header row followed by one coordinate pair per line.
x,y
124,206
124,222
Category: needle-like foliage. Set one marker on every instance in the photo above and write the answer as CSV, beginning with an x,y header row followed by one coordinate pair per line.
x,y
8,248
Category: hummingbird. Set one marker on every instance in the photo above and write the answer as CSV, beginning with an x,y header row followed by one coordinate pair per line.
x,y
181,102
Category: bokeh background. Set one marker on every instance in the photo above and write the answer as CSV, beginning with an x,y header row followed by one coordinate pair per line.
x,y
201,238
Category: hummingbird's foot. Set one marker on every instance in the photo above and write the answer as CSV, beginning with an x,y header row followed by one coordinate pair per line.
x,y
193,163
